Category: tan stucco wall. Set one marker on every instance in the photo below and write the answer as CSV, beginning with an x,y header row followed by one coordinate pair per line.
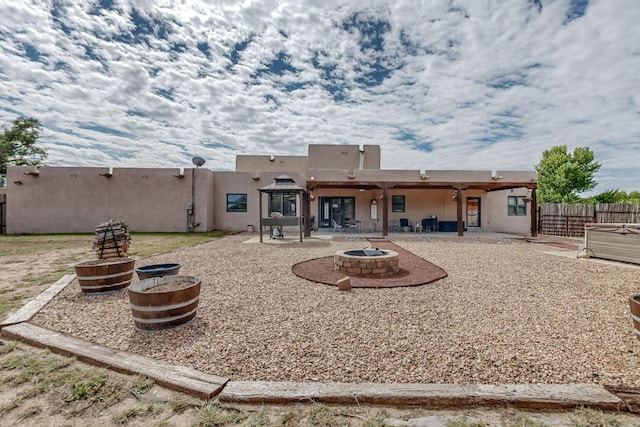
x,y
326,156
66,200
73,200
497,219
243,183
322,156
261,164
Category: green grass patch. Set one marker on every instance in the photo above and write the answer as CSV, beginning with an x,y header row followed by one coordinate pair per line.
x,y
212,414
290,419
43,372
9,303
133,412
47,278
179,406
378,420
34,368
94,385
142,383
41,243
142,244
586,417
146,244
86,389
260,418
320,415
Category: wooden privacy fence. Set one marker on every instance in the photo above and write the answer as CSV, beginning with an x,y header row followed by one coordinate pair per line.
x,y
627,213
569,220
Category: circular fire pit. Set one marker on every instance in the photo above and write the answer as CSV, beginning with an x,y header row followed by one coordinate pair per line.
x,y
366,262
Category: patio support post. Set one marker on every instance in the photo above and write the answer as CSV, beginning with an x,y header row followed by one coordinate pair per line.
x,y
307,212
534,213
385,212
260,212
459,209
303,206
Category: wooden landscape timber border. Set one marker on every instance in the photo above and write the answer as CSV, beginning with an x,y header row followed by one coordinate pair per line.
x,y
207,386
525,396
181,378
175,377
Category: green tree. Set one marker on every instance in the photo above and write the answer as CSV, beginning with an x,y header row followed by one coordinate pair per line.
x,y
607,196
19,144
613,196
563,175
633,197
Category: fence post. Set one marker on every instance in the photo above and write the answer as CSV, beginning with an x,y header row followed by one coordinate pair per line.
x,y
539,219
3,213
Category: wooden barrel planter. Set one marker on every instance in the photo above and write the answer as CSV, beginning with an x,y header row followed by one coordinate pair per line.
x,y
634,303
157,270
103,276
160,303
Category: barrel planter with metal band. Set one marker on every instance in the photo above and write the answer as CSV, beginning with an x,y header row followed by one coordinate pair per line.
x,y
634,303
157,270
165,302
103,276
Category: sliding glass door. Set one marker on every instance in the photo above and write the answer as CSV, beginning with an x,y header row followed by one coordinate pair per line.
x,y
339,209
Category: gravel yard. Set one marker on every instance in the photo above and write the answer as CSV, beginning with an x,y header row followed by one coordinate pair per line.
x,y
507,313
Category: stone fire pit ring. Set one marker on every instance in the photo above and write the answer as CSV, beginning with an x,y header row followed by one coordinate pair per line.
x,y
366,262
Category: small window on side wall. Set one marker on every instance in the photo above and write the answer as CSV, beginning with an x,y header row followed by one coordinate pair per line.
x,y
397,203
237,202
516,206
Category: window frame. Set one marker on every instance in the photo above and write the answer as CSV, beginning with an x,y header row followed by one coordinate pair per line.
x,y
398,203
287,203
238,203
516,206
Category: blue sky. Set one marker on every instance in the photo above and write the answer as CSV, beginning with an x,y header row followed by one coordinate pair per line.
x,y
438,84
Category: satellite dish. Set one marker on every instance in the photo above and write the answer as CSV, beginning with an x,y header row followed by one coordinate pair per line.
x,y
198,161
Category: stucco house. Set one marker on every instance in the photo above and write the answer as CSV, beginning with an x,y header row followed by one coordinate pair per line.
x,y
339,187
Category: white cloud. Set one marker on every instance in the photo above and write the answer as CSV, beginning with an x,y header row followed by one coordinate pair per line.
x,y
484,84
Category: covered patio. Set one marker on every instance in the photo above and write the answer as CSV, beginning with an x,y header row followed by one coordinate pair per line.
x,y
426,183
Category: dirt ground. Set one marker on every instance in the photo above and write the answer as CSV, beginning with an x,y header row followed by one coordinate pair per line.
x,y
38,388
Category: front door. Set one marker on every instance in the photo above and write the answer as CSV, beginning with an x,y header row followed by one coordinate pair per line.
x,y
473,212
338,209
